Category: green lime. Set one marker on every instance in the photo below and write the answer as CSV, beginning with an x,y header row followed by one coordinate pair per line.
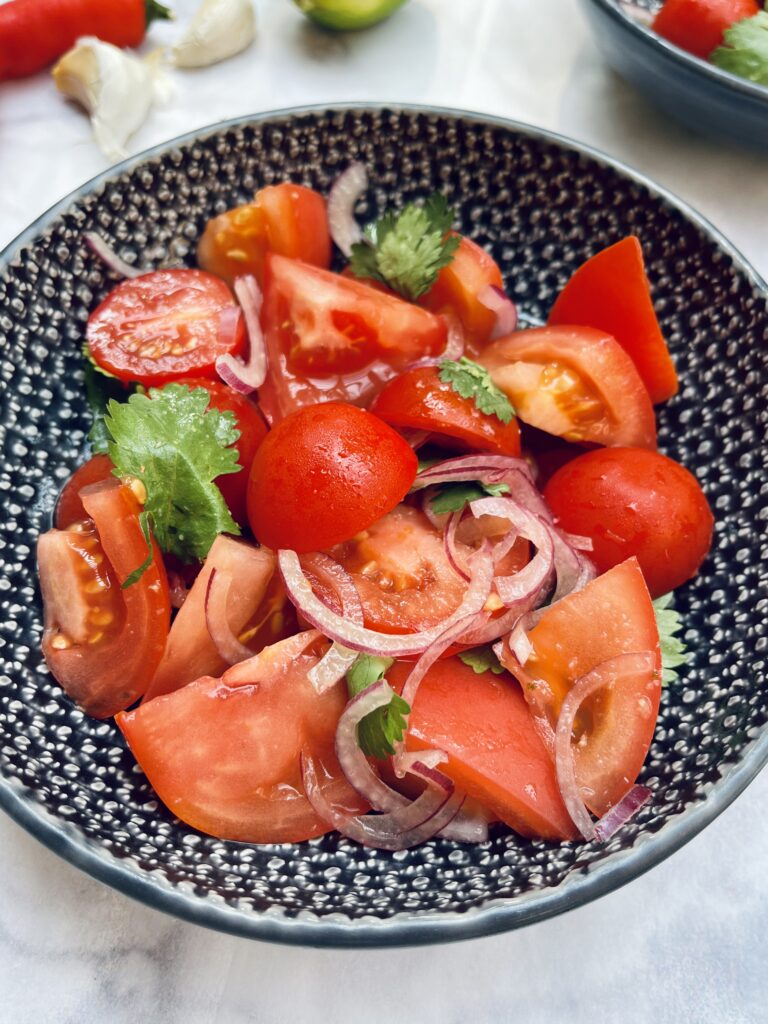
x,y
348,14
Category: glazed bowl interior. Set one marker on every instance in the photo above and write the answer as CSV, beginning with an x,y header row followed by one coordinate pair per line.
x,y
542,205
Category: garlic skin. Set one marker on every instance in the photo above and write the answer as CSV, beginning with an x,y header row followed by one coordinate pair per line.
x,y
219,29
115,88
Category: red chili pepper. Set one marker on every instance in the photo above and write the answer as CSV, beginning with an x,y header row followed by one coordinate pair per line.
x,y
33,33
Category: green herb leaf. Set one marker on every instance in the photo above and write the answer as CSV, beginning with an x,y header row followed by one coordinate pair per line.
x,y
482,659
673,650
100,387
453,497
407,250
470,380
177,447
380,730
745,49
136,575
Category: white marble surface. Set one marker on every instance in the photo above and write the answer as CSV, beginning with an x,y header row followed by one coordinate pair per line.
x,y
685,943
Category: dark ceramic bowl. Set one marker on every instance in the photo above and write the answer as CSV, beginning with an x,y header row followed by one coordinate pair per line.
x,y
543,205
702,96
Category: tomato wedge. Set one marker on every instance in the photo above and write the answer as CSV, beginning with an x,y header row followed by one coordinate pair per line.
x,y
612,615
223,754
575,382
164,326
495,754
103,643
69,507
332,338
418,399
287,219
611,293
190,652
698,25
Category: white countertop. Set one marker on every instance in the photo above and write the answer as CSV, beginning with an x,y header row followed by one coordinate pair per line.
x,y
685,943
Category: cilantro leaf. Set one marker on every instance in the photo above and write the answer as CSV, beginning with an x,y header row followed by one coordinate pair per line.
x,y
380,730
470,380
745,50
673,649
453,497
177,447
100,387
482,659
137,573
407,250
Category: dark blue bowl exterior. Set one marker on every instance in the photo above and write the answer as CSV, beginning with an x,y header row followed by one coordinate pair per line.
x,y
710,101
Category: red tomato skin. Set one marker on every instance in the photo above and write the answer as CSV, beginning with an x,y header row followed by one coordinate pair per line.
x,y
611,293
287,219
418,399
494,753
324,474
458,288
253,430
630,501
69,507
698,25
133,332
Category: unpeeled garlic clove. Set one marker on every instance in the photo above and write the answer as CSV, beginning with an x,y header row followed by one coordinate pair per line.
x,y
218,30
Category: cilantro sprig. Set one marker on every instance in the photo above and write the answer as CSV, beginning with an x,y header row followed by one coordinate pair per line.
x,y
470,380
744,51
482,659
407,250
453,497
380,730
673,650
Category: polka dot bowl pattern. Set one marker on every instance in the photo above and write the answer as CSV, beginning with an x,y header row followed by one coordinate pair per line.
x,y
542,205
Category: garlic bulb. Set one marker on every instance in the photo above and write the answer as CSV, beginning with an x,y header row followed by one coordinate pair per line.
x,y
219,29
115,88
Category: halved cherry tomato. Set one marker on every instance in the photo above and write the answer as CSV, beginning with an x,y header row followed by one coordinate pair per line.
x,y
165,326
575,382
612,615
253,430
495,754
223,754
611,293
331,337
630,501
419,399
287,219
698,25
325,473
103,643
459,287
190,653
69,507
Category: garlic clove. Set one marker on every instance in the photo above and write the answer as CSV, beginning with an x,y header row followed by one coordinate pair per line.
x,y
218,30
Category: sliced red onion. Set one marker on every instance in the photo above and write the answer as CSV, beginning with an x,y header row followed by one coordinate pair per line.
x,y
607,673
416,438
503,308
408,826
342,199
449,543
622,812
241,376
518,642
217,621
457,340
328,571
369,641
177,588
332,667
109,257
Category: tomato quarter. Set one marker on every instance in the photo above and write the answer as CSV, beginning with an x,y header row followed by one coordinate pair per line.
x,y
698,25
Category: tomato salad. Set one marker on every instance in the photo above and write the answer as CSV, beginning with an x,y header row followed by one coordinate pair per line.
x,y
354,551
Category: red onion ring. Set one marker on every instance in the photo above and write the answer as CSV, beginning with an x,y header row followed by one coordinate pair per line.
x,y
240,376
338,659
503,308
109,257
217,622
342,199
449,543
607,673
622,812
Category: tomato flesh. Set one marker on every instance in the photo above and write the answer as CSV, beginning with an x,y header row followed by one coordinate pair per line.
x,y
698,25
575,382
287,219
224,754
418,399
324,474
164,326
102,643
69,507
630,501
495,754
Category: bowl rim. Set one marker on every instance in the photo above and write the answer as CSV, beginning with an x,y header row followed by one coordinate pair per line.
x,y
496,915
676,54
